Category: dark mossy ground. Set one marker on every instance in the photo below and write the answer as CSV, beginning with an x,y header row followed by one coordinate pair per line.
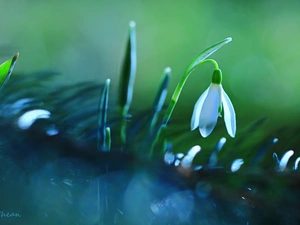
x,y
63,179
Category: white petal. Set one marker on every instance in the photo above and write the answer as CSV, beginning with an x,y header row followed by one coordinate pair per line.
x,y
29,117
296,163
197,110
236,165
284,160
209,112
194,151
186,162
229,115
169,158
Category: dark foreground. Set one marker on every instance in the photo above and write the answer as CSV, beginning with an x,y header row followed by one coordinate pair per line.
x,y
52,173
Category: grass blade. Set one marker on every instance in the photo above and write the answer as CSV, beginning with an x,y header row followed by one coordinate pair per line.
x,y
6,69
107,139
128,71
127,79
102,118
160,97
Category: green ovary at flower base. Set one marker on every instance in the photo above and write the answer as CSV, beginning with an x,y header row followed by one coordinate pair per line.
x,y
209,107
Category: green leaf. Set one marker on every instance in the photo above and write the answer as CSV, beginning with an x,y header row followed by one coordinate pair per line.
x,y
107,139
102,118
159,141
128,71
6,69
205,54
160,97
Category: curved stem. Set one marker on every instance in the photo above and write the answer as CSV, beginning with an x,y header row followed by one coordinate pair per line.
x,y
174,100
212,61
178,90
197,61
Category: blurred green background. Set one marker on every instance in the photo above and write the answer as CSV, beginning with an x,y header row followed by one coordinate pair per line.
x,y
84,40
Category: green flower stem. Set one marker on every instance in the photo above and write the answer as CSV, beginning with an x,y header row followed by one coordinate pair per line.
x,y
212,61
179,88
158,141
197,61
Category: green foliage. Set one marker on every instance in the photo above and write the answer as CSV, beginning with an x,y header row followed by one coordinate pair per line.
x,y
127,78
128,71
6,69
103,143
160,97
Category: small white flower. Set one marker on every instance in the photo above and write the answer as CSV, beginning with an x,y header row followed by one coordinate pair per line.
x,y
209,107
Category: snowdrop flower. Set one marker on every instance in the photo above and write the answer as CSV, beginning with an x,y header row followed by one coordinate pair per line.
x,y
209,107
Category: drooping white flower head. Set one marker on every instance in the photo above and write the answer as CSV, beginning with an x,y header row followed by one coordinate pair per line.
x,y
209,107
